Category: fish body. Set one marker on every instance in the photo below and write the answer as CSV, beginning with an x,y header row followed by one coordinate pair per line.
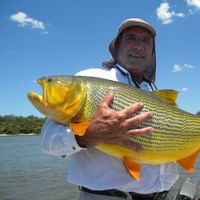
x,y
72,100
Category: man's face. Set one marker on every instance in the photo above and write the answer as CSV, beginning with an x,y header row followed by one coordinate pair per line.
x,y
135,50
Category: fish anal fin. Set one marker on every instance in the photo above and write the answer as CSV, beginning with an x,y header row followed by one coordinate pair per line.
x,y
132,167
188,163
79,128
168,96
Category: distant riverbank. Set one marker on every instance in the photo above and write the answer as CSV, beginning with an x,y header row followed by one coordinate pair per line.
x,y
11,125
20,134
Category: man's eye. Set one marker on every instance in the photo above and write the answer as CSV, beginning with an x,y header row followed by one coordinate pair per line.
x,y
131,38
146,40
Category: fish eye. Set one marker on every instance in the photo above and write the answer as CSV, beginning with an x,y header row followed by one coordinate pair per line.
x,y
49,80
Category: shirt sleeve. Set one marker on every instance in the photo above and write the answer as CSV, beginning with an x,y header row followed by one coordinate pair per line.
x,y
58,140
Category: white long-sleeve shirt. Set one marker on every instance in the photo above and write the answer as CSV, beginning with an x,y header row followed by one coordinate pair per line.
x,y
96,170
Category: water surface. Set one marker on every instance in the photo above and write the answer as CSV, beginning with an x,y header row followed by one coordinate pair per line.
x,y
26,173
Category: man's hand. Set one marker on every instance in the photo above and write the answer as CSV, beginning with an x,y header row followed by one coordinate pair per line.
x,y
111,127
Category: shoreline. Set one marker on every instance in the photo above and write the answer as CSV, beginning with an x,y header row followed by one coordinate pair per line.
x,y
21,134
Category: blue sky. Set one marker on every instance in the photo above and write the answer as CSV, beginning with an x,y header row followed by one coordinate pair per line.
x,y
51,37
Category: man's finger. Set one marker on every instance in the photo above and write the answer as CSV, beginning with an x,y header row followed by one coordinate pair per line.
x,y
138,119
139,131
107,100
129,111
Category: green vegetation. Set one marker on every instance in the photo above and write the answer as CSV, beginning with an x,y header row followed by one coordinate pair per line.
x,y
10,124
198,113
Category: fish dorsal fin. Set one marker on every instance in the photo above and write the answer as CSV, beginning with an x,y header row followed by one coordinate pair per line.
x,y
132,168
79,128
168,96
188,163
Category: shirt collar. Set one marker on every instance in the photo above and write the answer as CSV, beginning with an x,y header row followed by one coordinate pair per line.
x,y
144,84
122,69
126,73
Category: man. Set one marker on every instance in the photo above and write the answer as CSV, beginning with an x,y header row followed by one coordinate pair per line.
x,y
99,175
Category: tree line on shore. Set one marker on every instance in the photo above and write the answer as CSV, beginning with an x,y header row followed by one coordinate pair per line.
x,y
11,124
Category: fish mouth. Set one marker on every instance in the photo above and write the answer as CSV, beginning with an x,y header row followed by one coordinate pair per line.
x,y
32,96
53,93
36,99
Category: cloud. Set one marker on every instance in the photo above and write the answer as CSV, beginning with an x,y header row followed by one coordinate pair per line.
x,y
184,89
194,3
23,20
188,66
179,68
195,6
165,15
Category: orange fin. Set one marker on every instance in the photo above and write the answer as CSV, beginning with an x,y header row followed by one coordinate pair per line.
x,y
132,168
188,163
79,128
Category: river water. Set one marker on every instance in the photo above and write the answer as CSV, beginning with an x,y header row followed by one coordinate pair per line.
x,y
26,173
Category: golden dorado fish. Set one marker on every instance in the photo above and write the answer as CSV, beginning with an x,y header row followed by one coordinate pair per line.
x,y
72,100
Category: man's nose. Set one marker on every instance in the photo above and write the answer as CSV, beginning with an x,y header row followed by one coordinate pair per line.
x,y
138,44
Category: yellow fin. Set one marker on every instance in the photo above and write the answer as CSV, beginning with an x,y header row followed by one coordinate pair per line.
x,y
188,163
79,128
132,168
168,96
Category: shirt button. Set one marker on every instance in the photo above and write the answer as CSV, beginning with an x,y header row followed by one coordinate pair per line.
x,y
74,148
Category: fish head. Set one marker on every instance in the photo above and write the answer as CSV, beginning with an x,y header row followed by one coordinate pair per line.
x,y
61,99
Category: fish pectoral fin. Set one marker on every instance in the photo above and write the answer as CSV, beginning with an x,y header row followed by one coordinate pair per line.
x,y
168,96
79,128
188,163
132,167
